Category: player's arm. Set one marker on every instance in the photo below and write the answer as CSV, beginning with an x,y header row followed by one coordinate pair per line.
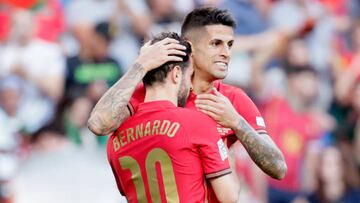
x,y
118,182
111,110
225,188
262,150
214,158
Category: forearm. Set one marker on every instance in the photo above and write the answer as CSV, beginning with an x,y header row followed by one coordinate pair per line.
x,y
226,188
262,150
111,110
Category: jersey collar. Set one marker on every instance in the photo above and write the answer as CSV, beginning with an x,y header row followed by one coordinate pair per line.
x,y
160,104
216,85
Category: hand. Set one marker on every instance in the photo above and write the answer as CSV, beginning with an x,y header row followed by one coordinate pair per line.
x,y
154,55
218,107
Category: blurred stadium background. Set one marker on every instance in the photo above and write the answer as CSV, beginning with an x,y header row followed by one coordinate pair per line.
x,y
298,59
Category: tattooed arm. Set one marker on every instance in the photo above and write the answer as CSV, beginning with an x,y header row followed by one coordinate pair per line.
x,y
262,150
111,110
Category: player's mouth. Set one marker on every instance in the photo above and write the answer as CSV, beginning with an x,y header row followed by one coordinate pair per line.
x,y
222,65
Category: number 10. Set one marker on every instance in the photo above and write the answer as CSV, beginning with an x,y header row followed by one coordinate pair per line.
x,y
155,155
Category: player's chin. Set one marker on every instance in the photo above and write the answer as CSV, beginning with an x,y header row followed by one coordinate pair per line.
x,y
219,75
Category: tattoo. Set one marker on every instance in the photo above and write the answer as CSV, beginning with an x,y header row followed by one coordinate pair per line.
x,y
262,150
111,110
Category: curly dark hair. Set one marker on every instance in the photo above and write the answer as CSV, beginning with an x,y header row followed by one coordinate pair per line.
x,y
159,74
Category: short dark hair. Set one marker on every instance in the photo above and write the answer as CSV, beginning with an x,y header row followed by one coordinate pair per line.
x,y
201,17
159,74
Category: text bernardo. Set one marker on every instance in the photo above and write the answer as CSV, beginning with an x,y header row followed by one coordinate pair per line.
x,y
155,127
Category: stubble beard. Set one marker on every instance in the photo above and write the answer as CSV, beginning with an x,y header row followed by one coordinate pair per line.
x,y
183,94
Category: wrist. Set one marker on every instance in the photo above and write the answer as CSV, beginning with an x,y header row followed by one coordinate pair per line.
x,y
236,123
141,65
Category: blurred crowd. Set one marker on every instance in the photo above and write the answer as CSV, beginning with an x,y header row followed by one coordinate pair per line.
x,y
299,60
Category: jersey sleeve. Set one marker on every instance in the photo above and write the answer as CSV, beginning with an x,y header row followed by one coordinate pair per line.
x,y
248,110
212,150
118,182
137,98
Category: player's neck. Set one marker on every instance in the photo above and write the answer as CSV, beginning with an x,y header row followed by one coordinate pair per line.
x,y
160,93
199,85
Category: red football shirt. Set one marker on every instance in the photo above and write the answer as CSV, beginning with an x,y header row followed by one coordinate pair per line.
x,y
241,102
162,152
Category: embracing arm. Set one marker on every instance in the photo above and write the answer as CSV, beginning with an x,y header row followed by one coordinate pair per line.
x,y
226,188
261,149
111,110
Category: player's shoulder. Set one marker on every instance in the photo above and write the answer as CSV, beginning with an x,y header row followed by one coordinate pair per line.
x,y
235,94
185,112
191,117
227,89
197,124
140,88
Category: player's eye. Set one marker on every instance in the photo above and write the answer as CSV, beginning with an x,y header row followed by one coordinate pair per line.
x,y
230,44
216,43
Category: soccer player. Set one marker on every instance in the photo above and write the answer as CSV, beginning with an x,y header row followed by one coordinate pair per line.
x,y
159,154
211,32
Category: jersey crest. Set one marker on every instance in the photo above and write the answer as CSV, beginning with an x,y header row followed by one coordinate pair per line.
x,y
223,131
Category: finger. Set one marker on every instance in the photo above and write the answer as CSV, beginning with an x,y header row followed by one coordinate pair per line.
x,y
147,44
217,92
207,102
209,108
168,41
220,95
175,46
209,113
176,52
173,58
208,96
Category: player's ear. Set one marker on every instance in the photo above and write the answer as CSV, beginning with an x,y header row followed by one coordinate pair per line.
x,y
192,49
176,74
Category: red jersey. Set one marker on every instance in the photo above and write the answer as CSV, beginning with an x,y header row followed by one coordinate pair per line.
x,y
162,152
291,132
241,102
